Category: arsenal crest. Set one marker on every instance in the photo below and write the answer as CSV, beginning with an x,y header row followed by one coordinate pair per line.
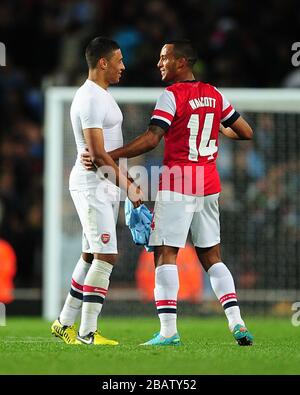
x,y
105,237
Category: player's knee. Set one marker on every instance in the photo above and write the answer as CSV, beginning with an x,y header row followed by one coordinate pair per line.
x,y
113,259
109,258
165,255
209,256
88,258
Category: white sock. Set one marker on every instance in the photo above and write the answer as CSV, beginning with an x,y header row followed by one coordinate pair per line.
x,y
73,302
165,294
223,285
94,291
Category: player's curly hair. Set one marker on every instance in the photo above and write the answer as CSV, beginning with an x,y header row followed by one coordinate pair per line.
x,y
99,47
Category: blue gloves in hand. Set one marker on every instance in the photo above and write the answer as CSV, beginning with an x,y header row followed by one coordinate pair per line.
x,y
139,222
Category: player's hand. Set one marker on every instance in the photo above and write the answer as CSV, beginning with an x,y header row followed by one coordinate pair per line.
x,y
135,195
86,160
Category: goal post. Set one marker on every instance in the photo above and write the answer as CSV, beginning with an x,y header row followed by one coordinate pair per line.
x,y
278,110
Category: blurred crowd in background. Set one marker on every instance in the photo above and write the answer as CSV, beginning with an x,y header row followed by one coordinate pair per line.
x,y
240,44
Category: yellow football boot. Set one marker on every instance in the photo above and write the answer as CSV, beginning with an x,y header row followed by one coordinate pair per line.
x,y
66,333
96,339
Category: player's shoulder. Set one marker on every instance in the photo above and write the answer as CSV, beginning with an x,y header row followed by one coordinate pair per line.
x,y
206,86
215,90
177,86
176,90
210,90
88,94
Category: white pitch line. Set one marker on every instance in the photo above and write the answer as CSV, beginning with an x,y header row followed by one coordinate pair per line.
x,y
26,339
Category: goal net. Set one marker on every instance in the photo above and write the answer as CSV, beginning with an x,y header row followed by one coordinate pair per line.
x,y
259,204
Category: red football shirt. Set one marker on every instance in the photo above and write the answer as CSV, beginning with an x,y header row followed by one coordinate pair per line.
x,y
190,112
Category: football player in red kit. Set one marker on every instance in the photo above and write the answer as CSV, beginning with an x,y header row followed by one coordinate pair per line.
x,y
188,114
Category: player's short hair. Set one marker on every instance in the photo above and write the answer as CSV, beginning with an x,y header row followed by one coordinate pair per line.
x,y
99,47
184,49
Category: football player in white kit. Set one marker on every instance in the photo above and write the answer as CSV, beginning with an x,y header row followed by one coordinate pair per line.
x,y
97,125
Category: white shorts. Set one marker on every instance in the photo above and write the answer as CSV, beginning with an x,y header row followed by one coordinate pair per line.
x,y
175,214
98,210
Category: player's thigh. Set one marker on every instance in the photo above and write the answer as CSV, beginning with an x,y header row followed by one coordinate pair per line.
x,y
85,247
97,218
107,191
173,213
205,227
80,200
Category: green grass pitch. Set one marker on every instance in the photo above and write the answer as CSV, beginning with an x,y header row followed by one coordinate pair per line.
x,y
27,347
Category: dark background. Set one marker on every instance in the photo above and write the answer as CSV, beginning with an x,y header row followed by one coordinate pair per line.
x,y
239,43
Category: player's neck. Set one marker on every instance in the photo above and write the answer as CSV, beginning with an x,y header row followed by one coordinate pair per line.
x,y
98,79
187,76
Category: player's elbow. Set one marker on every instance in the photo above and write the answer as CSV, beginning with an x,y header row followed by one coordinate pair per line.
x,y
244,133
248,133
242,129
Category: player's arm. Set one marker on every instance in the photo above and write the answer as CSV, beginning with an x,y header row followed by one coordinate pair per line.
x,y
238,130
160,121
228,132
233,125
100,158
143,143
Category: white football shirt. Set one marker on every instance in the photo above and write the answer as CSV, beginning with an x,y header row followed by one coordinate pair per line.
x,y
93,107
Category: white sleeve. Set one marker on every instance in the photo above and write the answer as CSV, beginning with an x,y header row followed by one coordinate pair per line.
x,y
92,113
164,110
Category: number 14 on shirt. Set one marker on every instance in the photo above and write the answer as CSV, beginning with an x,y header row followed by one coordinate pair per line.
x,y
207,147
